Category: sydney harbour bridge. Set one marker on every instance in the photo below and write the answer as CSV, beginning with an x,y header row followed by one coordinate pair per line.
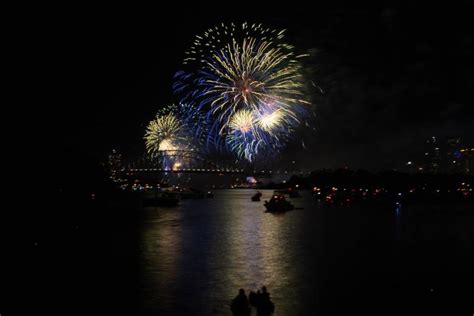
x,y
183,161
194,162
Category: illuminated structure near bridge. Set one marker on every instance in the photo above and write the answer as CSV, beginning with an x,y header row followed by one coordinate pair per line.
x,y
196,163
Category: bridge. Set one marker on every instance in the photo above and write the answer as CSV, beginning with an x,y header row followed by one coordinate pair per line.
x,y
217,171
189,161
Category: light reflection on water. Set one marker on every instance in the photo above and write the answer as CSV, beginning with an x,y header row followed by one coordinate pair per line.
x,y
161,250
195,257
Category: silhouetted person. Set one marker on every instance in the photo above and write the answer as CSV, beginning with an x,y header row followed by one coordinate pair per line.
x,y
240,304
265,294
264,305
253,298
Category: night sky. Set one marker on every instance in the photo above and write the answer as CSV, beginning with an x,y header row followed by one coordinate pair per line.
x,y
391,75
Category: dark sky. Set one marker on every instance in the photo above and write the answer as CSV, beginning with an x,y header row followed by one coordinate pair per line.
x,y
392,75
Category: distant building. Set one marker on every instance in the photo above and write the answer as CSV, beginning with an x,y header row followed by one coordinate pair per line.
x,y
450,156
466,160
432,156
453,155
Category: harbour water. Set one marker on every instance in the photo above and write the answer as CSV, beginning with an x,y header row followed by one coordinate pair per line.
x,y
88,257
192,259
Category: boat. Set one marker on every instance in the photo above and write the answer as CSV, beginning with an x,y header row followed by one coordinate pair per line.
x,y
292,193
162,198
256,197
191,193
278,204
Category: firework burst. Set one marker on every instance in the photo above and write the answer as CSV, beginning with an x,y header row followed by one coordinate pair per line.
x,y
164,133
236,68
243,135
245,82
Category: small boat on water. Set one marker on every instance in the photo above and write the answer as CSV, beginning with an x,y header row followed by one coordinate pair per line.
x,y
292,193
278,204
162,198
256,197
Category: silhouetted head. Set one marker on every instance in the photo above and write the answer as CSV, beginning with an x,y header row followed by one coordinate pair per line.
x,y
241,292
264,289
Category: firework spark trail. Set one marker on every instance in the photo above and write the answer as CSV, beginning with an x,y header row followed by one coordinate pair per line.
x,y
163,134
246,83
243,137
